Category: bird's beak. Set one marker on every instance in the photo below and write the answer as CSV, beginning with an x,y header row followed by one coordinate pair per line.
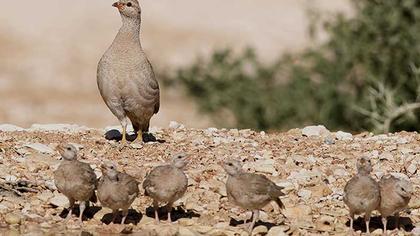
x,y
118,5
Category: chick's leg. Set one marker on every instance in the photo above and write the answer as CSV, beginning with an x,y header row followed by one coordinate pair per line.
x,y
156,208
169,209
82,208
256,215
367,220
71,204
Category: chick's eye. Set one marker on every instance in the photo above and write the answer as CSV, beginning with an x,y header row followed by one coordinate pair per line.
x,y
230,164
129,4
69,149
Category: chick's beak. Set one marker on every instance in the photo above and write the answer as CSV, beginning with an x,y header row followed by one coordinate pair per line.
x,y
118,5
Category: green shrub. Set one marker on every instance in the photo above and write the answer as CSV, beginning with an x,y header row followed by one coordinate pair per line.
x,y
366,76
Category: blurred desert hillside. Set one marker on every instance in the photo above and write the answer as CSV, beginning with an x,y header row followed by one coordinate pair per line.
x,y
49,50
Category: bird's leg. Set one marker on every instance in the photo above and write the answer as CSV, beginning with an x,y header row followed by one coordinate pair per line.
x,y
114,215
125,213
169,209
351,216
255,216
397,220
384,221
367,220
82,207
71,203
156,208
252,216
124,124
139,137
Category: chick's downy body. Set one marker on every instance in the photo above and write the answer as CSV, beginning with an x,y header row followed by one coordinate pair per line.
x,y
117,190
75,179
125,76
167,183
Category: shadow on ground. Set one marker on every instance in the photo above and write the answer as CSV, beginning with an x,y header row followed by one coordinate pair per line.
x,y
116,135
177,213
376,223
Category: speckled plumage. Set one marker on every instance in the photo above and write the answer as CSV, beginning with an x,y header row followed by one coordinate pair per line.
x,y
395,196
250,191
167,183
117,190
125,76
75,179
361,193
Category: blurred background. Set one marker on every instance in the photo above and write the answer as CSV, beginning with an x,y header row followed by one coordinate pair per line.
x,y
261,64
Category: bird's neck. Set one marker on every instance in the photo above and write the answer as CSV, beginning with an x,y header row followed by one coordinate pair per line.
x,y
130,30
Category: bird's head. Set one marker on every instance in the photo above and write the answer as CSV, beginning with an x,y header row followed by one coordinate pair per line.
x,y
180,160
232,167
68,152
404,188
109,170
364,165
128,8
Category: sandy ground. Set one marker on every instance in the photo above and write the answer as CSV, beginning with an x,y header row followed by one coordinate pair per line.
x,y
49,50
312,170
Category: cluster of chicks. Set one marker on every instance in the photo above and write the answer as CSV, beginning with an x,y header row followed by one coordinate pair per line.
x,y
168,183
165,183
363,194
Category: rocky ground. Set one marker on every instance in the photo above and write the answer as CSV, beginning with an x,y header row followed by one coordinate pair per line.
x,y
312,164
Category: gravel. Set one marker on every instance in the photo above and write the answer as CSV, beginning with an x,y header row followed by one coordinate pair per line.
x,y
312,171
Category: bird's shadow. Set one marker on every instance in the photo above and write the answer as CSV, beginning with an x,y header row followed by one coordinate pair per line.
x,y
89,212
233,222
177,213
116,135
133,217
376,223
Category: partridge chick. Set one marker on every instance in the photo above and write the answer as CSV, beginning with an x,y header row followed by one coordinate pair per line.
x,y
75,179
116,190
250,191
395,196
361,193
125,76
167,183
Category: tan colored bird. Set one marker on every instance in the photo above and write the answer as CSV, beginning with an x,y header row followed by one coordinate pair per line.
x,y
361,193
116,190
395,196
125,76
167,183
250,191
75,179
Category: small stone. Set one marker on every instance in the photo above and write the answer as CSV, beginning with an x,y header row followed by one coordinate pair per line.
x,y
45,196
416,231
329,139
344,136
318,130
45,225
175,125
278,231
377,232
298,212
202,229
186,222
265,166
325,223
10,178
100,214
12,218
59,200
136,145
42,148
305,194
10,128
185,231
412,168
260,230
58,128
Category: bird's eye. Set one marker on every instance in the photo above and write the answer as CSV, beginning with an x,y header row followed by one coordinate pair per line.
x,y
69,149
179,157
129,4
230,164
111,167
